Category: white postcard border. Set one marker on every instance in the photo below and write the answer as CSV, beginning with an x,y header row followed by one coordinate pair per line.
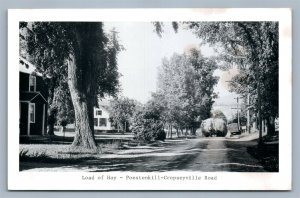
x,y
225,180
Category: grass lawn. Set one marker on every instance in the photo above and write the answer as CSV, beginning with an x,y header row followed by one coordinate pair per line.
x,y
55,151
60,153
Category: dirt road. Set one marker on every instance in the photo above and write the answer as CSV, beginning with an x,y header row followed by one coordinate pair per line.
x,y
206,155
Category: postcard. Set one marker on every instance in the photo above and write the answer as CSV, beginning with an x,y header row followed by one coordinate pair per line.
x,y
149,99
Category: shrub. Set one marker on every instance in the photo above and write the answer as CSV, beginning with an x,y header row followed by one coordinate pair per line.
x,y
147,126
64,123
160,135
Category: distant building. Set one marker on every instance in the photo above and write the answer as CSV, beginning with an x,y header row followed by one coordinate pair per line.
x,y
102,120
101,117
33,94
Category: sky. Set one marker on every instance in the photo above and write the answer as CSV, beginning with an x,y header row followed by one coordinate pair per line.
x,y
144,51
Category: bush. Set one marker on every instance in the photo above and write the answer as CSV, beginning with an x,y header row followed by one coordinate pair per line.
x,y
147,126
64,123
160,135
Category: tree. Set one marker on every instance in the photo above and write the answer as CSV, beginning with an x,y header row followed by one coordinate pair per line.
x,y
83,55
52,109
147,123
185,87
121,111
51,120
253,47
63,103
50,81
242,118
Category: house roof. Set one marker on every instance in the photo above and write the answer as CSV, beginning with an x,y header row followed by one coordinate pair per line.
x,y
104,102
27,67
29,96
107,109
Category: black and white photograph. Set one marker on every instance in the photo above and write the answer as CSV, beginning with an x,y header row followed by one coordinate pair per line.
x,y
150,97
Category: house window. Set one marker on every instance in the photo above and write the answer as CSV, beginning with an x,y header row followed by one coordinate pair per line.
x,y
32,83
32,112
99,112
95,121
103,122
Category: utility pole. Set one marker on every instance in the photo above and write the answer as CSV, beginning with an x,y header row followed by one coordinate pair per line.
x,y
238,112
237,109
248,110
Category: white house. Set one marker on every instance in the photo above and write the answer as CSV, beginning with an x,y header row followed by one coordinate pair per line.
x,y
101,117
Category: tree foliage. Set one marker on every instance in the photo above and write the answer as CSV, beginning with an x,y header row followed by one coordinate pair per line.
x,y
49,45
147,123
122,110
63,103
242,118
185,88
253,47
84,56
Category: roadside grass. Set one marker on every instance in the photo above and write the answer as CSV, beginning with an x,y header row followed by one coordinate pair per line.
x,y
268,155
59,153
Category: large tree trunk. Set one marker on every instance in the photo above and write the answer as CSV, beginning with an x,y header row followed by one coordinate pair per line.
x,y
271,125
83,68
83,107
193,131
51,121
186,132
52,115
181,131
50,129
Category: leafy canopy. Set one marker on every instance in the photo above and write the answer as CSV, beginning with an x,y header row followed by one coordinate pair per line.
x,y
253,48
185,88
50,44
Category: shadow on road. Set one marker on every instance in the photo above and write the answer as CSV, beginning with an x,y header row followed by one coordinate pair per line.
x,y
204,155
